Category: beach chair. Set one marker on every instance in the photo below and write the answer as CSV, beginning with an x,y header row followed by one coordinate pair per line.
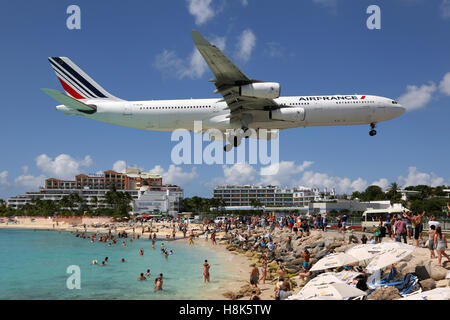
x,y
373,284
409,284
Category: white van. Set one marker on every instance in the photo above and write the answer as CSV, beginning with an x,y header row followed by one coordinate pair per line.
x,y
370,217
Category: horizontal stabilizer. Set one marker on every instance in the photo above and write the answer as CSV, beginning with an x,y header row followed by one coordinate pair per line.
x,y
69,102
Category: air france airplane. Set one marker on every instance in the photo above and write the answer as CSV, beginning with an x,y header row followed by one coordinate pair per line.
x,y
245,103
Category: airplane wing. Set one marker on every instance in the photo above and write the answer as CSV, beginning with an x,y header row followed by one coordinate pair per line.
x,y
69,102
229,79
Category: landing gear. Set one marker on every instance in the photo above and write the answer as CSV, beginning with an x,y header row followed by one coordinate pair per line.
x,y
373,131
236,139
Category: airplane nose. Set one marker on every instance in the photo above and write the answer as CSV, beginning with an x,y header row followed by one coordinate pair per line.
x,y
397,111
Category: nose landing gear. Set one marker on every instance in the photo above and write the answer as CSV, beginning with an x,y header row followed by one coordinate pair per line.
x,y
373,131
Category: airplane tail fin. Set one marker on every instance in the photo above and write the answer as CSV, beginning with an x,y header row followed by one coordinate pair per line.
x,y
76,82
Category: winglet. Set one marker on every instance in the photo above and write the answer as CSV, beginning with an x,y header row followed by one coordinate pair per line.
x,y
199,40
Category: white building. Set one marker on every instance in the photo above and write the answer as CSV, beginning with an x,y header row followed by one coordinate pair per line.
x,y
166,201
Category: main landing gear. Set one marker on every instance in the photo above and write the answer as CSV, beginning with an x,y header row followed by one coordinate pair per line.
x,y
373,131
235,140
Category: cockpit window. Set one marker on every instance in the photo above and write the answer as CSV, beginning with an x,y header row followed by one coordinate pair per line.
x,y
394,102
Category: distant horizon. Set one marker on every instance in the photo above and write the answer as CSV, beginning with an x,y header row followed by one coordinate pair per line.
x,y
316,48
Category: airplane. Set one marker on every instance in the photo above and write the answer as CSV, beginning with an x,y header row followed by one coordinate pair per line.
x,y
245,104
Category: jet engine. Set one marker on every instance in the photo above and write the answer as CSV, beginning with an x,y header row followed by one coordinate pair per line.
x,y
264,90
288,114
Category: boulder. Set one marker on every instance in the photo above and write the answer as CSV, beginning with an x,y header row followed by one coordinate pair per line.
x,y
443,283
428,284
386,293
421,272
438,272
297,262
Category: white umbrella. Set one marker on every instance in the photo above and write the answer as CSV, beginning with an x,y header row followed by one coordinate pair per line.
x,y
333,261
389,245
321,279
332,291
435,294
347,276
362,252
386,258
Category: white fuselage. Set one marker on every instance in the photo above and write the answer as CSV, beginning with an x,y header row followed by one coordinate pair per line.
x,y
169,115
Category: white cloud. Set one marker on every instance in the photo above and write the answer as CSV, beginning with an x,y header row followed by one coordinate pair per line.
x,y
247,42
445,9
444,86
281,174
273,49
415,177
417,97
63,166
383,183
244,2
201,10
175,175
323,180
119,166
238,174
192,67
4,178
29,182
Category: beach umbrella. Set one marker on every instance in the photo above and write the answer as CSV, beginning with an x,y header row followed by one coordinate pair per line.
x,y
332,291
387,258
333,261
362,252
347,276
323,278
435,294
389,245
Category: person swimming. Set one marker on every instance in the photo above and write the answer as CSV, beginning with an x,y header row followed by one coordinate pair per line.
x,y
94,262
123,260
141,277
148,273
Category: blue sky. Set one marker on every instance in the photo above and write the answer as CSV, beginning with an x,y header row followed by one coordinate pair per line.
x,y
143,50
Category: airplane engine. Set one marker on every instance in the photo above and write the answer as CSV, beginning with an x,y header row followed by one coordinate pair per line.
x,y
264,90
288,114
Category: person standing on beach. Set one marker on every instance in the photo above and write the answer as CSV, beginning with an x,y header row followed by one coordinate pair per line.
x,y
431,234
263,271
440,244
254,276
206,267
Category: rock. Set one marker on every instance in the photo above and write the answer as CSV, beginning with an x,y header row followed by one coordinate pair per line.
x,y
428,284
297,262
386,293
442,283
421,272
438,273
321,254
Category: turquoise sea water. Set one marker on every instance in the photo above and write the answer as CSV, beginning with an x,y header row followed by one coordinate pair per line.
x,y
33,265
